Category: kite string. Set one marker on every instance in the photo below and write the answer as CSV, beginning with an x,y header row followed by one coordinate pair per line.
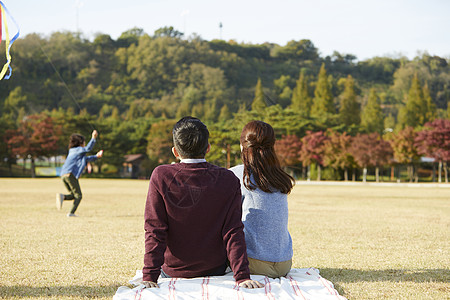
x,y
66,86
8,41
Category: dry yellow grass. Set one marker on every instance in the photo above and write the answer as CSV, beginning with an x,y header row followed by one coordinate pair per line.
x,y
371,242
375,242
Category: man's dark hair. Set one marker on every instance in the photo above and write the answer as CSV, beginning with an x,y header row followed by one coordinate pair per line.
x,y
76,140
190,138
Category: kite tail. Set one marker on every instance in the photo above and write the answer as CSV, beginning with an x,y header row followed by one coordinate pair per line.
x,y
8,42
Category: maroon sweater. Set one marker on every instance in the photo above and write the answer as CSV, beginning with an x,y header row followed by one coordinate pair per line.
x,y
193,223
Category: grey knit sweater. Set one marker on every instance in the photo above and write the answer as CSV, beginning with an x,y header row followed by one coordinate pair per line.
x,y
265,218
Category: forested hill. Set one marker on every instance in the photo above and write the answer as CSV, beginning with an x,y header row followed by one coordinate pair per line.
x,y
134,88
166,74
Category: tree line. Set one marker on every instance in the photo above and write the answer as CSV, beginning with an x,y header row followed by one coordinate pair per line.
x,y
134,88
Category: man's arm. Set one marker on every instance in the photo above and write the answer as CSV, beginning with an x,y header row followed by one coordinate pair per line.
x,y
155,233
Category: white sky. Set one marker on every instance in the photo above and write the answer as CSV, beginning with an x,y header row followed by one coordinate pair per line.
x,y
365,28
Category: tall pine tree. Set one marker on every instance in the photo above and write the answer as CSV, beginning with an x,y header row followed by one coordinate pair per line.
x,y
301,102
225,114
415,111
430,114
258,103
372,117
349,112
323,98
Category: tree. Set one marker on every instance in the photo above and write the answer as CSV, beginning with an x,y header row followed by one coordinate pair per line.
x,y
405,149
337,152
35,137
323,98
130,37
312,150
448,110
372,117
434,141
297,50
370,150
288,150
225,149
416,110
225,113
5,151
378,69
168,32
15,100
283,90
430,113
389,123
301,102
258,103
160,142
349,111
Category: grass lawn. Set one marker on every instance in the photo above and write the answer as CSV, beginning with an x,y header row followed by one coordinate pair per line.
x,y
372,242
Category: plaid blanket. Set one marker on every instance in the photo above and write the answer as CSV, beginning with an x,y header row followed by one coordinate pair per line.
x,y
304,284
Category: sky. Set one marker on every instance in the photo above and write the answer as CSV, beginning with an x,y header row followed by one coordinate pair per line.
x,y
364,28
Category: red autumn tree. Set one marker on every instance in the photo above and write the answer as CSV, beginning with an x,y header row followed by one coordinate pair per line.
x,y
313,150
370,151
434,141
36,137
337,152
288,150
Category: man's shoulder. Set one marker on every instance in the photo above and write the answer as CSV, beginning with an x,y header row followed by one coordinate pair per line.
x,y
171,169
225,174
216,168
164,170
166,166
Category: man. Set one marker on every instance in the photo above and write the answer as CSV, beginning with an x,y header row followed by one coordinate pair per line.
x,y
193,212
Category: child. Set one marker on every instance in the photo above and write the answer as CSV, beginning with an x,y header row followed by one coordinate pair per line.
x,y
193,224
265,209
73,167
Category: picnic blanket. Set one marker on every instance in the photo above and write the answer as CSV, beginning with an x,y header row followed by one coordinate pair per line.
x,y
304,284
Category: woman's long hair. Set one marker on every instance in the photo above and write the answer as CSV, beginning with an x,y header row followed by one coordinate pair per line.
x,y
260,160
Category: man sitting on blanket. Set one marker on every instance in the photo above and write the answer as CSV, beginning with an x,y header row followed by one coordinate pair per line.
x,y
193,214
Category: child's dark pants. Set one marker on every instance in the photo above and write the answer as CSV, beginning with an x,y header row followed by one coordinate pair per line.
x,y
73,186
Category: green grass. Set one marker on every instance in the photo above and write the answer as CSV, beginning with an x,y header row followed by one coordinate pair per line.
x,y
372,242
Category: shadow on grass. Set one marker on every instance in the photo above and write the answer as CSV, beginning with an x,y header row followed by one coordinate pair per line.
x,y
89,292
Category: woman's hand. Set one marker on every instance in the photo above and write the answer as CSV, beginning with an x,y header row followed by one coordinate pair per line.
x,y
94,134
251,284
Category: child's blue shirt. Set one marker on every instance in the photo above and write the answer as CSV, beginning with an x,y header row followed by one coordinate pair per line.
x,y
76,159
265,218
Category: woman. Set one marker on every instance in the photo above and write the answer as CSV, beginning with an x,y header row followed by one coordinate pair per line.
x,y
264,188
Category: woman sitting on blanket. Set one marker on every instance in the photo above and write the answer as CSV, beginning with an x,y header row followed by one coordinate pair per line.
x,y
264,187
